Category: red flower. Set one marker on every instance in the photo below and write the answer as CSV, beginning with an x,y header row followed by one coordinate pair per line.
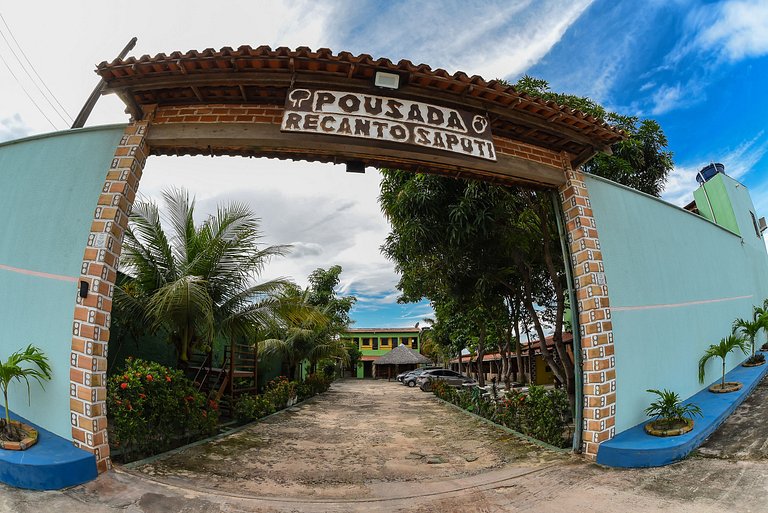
x,y
168,379
123,385
149,377
143,396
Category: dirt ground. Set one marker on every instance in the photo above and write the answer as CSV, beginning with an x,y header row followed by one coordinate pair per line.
x,y
366,447
357,435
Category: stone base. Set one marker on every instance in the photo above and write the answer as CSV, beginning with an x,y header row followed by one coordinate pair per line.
x,y
25,443
730,386
651,429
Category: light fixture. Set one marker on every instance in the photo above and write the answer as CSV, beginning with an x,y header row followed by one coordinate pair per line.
x,y
355,166
387,80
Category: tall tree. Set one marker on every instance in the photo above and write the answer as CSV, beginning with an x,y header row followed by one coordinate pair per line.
x,y
472,244
196,282
641,161
317,337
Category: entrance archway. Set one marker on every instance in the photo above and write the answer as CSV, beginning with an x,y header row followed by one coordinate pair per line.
x,y
325,107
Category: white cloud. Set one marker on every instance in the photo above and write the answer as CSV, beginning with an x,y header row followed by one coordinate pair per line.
x,y
670,97
490,39
735,29
13,127
738,162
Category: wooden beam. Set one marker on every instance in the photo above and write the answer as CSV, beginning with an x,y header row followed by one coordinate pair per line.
x,y
266,138
283,79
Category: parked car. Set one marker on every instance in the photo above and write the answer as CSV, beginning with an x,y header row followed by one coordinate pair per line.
x,y
410,378
402,375
453,378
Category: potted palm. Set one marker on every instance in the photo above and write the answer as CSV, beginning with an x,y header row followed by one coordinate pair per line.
x,y
21,366
721,351
749,329
671,417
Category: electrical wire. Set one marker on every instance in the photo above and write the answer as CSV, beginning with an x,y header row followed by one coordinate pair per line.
x,y
23,67
27,93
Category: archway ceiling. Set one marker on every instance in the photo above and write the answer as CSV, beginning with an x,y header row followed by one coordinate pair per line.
x,y
260,76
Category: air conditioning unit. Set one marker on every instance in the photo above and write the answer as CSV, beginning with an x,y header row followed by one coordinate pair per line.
x,y
762,225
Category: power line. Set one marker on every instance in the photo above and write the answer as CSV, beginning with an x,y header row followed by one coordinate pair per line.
x,y
35,71
25,92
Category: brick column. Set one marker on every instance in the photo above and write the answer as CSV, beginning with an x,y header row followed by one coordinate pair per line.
x,y
598,363
90,329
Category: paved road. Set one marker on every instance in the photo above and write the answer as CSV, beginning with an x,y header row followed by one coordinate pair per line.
x,y
300,462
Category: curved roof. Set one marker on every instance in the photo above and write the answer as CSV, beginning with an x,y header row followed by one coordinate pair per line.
x,y
263,76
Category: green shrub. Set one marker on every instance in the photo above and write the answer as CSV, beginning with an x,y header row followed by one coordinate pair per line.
x,y
539,413
545,415
279,392
253,407
153,408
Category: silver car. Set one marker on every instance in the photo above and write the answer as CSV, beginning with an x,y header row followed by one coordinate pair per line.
x,y
453,378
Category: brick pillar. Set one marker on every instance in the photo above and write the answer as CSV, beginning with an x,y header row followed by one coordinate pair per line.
x,y
598,363
90,329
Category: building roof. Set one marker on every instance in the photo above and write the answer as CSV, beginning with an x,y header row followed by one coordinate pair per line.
x,y
402,355
567,339
263,76
382,330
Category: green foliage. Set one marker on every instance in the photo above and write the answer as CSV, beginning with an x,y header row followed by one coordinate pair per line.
x,y
21,366
314,335
756,359
539,413
642,161
196,282
721,350
278,394
668,407
749,328
252,407
153,408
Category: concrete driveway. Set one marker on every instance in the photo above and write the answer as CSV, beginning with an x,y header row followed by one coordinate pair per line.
x,y
378,446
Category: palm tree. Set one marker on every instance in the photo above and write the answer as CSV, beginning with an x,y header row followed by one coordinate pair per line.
x,y
301,335
721,351
12,370
749,329
196,282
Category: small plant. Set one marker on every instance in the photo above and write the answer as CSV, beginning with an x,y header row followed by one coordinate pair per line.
x,y
721,351
13,370
668,411
756,359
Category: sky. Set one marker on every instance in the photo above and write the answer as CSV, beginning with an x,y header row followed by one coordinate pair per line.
x,y
699,68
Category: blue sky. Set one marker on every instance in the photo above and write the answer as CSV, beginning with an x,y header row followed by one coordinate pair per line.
x,y
699,68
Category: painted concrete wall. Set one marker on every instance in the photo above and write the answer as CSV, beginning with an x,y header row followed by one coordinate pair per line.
x,y
49,187
677,281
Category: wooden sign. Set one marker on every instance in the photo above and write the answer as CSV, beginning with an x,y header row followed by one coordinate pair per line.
x,y
381,118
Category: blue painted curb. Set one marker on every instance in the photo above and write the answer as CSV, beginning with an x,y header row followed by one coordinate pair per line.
x,y
634,448
52,463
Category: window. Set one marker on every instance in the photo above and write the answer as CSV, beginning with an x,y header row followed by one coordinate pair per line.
x,y
367,342
754,223
384,341
375,343
415,343
395,341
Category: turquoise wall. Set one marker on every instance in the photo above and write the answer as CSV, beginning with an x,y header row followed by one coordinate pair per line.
x,y
676,283
49,187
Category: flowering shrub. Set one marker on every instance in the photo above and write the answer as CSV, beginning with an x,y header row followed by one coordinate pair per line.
x,y
279,393
153,408
313,385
